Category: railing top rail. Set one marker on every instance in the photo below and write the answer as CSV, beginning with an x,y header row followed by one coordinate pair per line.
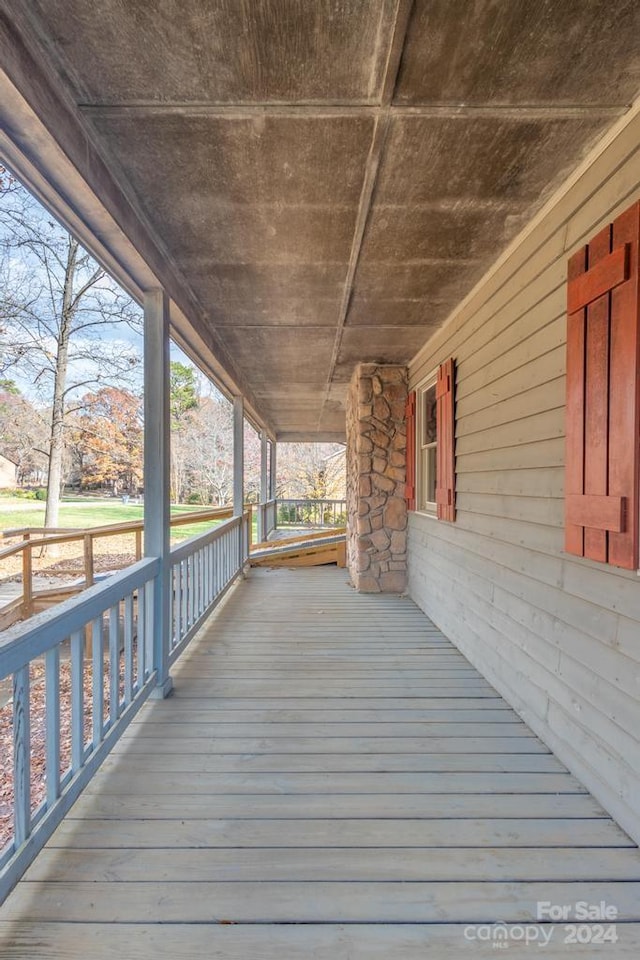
x,y
187,547
21,643
107,530
308,500
20,531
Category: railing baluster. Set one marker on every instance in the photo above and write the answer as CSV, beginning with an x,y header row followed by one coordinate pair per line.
x,y
192,592
77,701
97,696
52,699
141,627
185,596
149,623
196,585
21,756
114,664
128,649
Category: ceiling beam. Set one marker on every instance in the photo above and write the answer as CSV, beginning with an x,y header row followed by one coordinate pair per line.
x,y
380,130
524,112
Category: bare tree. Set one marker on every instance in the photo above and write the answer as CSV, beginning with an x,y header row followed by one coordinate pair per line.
x,y
314,471
23,435
56,306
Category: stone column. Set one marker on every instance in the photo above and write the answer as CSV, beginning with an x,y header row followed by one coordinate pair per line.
x,y
376,465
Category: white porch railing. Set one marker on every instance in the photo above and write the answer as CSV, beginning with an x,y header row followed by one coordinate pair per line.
x,y
267,518
203,568
314,513
80,672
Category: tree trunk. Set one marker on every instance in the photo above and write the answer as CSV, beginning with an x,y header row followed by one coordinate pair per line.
x,y
56,449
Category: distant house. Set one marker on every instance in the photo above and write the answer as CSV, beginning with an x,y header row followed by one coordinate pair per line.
x,y
7,473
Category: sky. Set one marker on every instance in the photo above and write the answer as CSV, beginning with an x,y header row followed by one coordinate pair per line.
x,y
21,269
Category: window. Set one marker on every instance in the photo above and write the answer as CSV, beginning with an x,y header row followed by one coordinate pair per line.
x,y
431,445
427,447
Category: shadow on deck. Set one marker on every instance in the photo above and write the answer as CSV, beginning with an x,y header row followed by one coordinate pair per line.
x,y
331,779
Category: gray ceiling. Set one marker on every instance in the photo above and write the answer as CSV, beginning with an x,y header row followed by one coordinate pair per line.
x,y
330,177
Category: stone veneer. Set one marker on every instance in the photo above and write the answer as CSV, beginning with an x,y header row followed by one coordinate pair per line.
x,y
376,464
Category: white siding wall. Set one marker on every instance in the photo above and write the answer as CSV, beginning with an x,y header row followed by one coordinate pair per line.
x,y
558,636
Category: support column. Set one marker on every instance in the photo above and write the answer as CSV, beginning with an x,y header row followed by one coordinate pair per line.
x,y
264,492
238,473
272,471
156,474
238,456
376,473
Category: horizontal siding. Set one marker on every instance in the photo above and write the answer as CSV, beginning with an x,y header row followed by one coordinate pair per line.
x,y
559,637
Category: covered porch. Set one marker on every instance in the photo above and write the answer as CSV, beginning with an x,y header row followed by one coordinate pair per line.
x,y
364,221
330,778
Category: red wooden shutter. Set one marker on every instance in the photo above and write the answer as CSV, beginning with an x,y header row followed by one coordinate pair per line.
x,y
603,396
410,485
446,459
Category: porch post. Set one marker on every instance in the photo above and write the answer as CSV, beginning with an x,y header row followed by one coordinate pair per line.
x,y
264,491
272,481
156,474
238,456
272,471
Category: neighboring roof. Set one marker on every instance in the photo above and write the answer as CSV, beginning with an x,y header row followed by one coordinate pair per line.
x,y
323,181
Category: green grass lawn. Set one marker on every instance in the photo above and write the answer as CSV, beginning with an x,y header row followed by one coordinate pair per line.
x,y
16,513
85,512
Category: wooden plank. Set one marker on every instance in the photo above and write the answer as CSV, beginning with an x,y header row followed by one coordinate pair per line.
x,y
575,406
331,703
331,806
174,759
596,512
10,613
282,745
77,834
624,393
194,729
596,414
599,279
443,674
446,460
297,538
123,778
358,688
287,902
355,865
296,556
190,711
144,941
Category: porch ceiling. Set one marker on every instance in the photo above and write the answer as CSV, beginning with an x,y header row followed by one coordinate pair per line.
x,y
328,178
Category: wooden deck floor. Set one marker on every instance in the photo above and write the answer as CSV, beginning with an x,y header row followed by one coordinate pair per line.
x,y
331,780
